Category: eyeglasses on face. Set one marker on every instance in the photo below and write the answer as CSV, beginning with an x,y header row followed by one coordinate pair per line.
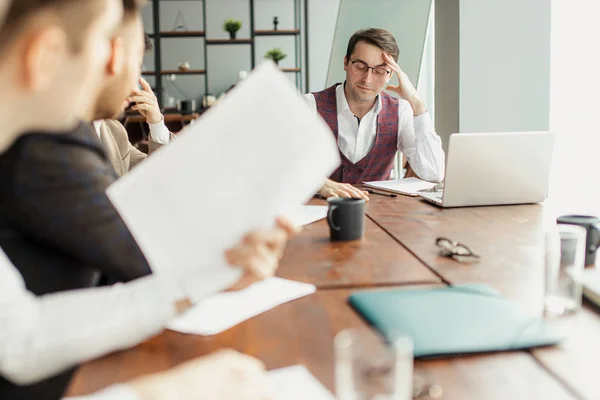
x,y
360,68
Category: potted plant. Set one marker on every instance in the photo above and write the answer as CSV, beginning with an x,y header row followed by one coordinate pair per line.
x,y
232,26
275,55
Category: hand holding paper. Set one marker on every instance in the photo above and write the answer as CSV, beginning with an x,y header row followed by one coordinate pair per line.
x,y
258,154
260,251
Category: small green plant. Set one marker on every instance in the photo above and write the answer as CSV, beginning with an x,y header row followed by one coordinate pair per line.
x,y
232,26
275,55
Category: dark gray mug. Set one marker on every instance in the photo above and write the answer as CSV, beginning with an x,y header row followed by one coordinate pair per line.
x,y
346,218
592,240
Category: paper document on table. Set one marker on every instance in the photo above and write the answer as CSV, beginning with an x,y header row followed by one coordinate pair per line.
x,y
407,186
304,215
297,383
225,310
259,153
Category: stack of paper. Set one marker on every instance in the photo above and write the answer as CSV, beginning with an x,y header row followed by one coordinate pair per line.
x,y
225,310
297,383
304,215
408,186
258,154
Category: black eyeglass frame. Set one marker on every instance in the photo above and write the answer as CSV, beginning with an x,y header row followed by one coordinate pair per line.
x,y
373,68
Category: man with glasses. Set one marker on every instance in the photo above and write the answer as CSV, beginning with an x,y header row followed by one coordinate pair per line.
x,y
371,126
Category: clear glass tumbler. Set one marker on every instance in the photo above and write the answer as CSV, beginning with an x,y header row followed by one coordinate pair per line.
x,y
565,254
370,368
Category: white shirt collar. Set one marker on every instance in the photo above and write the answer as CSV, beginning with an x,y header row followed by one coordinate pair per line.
x,y
342,102
97,126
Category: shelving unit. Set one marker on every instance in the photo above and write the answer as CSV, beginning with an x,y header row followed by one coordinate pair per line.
x,y
255,34
282,32
229,41
167,34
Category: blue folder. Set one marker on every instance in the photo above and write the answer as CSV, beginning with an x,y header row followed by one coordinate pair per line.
x,y
453,320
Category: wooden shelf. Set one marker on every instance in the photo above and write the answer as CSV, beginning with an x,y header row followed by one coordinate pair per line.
x,y
290,69
279,32
228,41
168,117
177,72
180,34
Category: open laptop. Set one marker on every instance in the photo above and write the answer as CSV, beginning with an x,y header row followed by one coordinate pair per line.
x,y
495,168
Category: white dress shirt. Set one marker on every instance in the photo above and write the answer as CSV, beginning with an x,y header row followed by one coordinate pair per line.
x,y
43,336
159,131
417,138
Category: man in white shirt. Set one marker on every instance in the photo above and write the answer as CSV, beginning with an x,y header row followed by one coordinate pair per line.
x,y
371,126
56,48
43,336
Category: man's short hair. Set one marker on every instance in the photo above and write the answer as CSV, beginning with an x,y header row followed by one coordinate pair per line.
x,y
131,8
75,16
148,45
377,37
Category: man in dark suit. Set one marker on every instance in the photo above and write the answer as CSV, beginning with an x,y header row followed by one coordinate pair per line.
x,y
47,48
58,227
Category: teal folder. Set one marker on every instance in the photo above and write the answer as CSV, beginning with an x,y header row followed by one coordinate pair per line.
x,y
453,320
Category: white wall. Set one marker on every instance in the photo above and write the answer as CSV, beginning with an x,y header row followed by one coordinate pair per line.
x,y
322,21
447,68
575,105
504,65
426,82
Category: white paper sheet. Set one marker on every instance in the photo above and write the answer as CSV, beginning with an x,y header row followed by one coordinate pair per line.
x,y
257,154
297,383
304,215
408,186
225,310
289,383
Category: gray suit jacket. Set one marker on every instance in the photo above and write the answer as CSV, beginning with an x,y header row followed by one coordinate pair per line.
x,y
121,153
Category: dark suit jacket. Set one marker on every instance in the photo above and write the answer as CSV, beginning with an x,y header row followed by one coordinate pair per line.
x,y
58,226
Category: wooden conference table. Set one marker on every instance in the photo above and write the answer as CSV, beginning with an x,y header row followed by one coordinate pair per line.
x,y
398,250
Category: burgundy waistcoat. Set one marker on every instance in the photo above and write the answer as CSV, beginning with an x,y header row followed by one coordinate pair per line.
x,y
378,163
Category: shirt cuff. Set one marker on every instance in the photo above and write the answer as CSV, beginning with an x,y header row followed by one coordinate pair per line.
x,y
423,124
159,132
117,392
